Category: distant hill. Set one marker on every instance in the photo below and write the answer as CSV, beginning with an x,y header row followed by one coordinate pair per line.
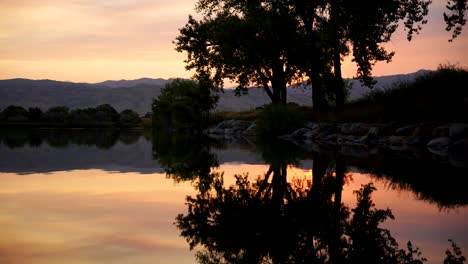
x,y
138,94
133,83
47,93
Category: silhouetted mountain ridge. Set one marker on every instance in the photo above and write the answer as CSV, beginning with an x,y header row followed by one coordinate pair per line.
x,y
133,83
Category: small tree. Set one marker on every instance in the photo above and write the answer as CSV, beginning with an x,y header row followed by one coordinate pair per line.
x,y
106,112
34,114
129,117
14,113
57,114
78,116
183,104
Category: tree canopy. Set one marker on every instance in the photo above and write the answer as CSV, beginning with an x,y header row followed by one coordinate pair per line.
x,y
249,43
101,115
183,104
272,43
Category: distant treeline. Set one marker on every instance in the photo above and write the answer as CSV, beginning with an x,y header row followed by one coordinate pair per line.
x,y
101,115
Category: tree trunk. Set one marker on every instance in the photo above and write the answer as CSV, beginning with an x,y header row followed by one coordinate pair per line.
x,y
335,252
307,11
283,94
338,78
338,83
278,84
270,93
319,103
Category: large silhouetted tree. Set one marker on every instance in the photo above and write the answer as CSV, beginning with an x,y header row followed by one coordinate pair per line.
x,y
251,43
256,42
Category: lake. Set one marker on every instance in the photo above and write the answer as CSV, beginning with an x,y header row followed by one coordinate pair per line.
x,y
110,196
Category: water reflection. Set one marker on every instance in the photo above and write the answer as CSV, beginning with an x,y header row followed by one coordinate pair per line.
x,y
270,219
283,212
185,157
28,151
430,181
62,138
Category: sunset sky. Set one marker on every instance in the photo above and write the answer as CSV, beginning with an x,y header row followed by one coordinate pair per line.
x,y
92,41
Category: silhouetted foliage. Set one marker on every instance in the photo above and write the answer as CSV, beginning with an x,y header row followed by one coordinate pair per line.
x,y
455,19
275,120
454,255
57,114
106,112
61,116
272,43
81,116
14,113
129,117
183,105
34,114
423,100
185,157
246,43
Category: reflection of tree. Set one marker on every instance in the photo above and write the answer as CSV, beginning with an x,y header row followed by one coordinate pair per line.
x,y
185,157
61,138
279,155
431,181
274,221
130,137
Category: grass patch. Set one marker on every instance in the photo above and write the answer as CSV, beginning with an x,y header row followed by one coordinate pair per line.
x,y
247,115
438,96
146,122
275,120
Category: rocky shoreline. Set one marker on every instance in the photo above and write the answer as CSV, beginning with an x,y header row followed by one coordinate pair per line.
x,y
447,142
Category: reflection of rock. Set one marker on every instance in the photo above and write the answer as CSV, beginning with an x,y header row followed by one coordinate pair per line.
x,y
355,138
441,131
406,130
458,153
458,130
439,146
251,130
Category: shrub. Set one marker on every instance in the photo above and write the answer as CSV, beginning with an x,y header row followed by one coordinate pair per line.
x,y
129,117
14,113
277,119
182,105
436,96
57,114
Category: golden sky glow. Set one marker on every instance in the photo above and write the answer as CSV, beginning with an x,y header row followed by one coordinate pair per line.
x,y
92,41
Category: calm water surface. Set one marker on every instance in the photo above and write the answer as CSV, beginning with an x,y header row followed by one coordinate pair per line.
x,y
101,196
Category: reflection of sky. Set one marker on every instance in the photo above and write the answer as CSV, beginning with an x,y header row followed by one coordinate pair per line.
x,y
91,216
95,216
424,224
